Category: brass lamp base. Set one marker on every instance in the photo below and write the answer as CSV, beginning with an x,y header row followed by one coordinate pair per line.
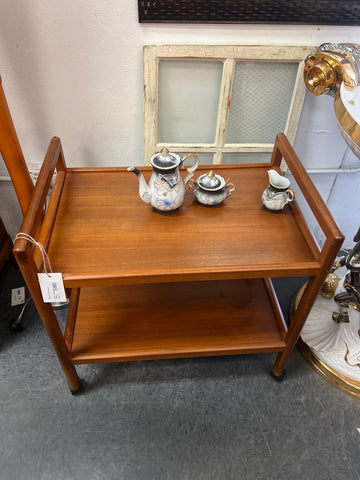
x,y
342,382
319,361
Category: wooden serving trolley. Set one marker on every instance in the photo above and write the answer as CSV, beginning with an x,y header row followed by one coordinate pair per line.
x,y
195,283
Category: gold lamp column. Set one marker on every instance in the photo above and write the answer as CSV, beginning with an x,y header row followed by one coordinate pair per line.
x,y
330,339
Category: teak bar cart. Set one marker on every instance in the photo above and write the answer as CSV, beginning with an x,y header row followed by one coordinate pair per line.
x,y
195,283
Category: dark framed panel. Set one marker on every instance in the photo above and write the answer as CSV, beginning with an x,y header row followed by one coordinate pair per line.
x,y
318,12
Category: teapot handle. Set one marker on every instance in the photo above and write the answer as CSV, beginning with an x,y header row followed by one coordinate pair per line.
x,y
231,187
191,169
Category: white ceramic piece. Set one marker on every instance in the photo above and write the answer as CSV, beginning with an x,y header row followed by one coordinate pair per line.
x,y
277,194
335,344
166,188
211,189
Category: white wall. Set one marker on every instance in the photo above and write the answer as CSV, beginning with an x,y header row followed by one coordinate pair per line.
x,y
74,69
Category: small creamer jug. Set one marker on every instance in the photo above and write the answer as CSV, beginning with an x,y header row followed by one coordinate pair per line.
x,y
277,194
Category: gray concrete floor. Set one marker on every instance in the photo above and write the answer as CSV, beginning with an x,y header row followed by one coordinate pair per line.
x,y
188,419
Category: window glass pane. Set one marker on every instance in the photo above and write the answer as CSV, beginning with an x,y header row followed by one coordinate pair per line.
x,y
188,101
204,158
246,157
260,101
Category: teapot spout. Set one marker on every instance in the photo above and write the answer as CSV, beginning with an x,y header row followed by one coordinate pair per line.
x,y
144,189
277,180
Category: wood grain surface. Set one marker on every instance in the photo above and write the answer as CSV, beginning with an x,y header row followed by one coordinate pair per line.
x,y
175,320
104,233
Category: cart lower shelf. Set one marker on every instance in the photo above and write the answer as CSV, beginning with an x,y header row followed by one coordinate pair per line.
x,y
137,322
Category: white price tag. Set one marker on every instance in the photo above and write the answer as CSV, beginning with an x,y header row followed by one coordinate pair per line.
x,y
52,287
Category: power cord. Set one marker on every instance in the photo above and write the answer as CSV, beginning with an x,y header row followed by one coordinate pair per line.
x,y
15,325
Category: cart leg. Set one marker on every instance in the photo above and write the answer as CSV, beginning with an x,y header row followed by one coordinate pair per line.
x,y
79,390
54,332
278,369
312,288
278,378
50,321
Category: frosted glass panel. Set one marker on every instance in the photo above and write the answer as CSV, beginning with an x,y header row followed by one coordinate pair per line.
x,y
260,101
246,158
188,101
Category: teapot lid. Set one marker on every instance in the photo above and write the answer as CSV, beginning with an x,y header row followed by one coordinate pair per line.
x,y
211,181
165,159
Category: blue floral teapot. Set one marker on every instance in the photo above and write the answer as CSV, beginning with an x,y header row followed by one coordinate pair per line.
x,y
166,188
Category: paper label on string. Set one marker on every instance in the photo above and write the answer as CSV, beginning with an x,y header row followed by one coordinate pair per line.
x,y
52,287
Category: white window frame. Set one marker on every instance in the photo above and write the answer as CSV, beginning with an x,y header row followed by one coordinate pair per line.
x,y
228,55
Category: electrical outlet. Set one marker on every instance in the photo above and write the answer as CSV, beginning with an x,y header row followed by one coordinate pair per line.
x,y
17,296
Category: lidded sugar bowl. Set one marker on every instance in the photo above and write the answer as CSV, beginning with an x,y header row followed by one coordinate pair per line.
x,y
211,188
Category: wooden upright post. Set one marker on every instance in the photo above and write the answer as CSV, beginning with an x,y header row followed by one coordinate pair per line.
x,y
12,154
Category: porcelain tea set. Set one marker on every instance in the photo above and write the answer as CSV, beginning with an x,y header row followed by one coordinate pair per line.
x,y
166,188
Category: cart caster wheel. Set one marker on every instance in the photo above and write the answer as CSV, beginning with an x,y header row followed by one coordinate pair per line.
x,y
79,390
278,378
15,327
